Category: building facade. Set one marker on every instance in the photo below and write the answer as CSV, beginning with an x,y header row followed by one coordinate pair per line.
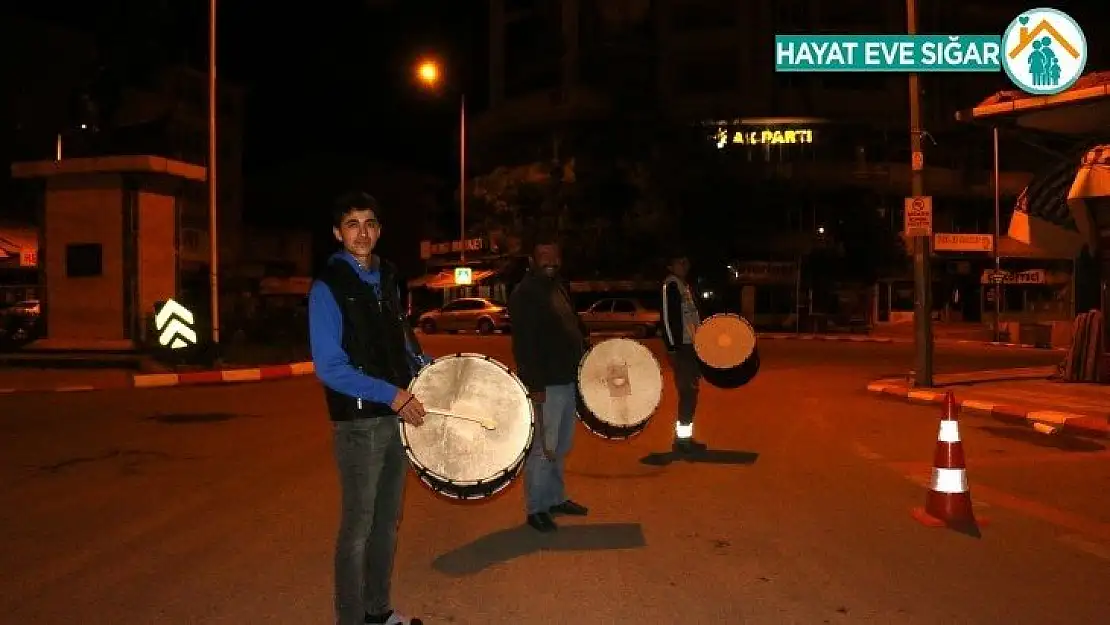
x,y
837,141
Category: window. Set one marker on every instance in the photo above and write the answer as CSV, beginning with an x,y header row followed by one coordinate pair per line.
x,y
604,306
852,81
624,306
703,15
709,74
84,260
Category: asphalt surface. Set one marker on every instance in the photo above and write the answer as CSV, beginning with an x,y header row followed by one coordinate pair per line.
x,y
219,505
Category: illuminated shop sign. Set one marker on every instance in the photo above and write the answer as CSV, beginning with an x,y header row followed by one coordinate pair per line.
x,y
768,136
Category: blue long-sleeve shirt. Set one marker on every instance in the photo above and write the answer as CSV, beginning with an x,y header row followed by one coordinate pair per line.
x,y
325,330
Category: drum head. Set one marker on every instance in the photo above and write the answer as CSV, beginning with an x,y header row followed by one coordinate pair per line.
x,y
457,450
620,382
724,341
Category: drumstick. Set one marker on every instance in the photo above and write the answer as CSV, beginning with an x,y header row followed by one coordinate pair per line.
x,y
489,424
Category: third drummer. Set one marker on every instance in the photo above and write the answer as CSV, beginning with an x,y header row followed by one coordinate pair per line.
x,y
679,320
549,340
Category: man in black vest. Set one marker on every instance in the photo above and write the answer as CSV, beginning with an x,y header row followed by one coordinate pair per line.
x,y
365,354
549,340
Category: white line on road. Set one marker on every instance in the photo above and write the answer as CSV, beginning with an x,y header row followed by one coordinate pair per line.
x,y
1097,550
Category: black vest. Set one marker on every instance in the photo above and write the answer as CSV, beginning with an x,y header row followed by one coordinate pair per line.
x,y
374,335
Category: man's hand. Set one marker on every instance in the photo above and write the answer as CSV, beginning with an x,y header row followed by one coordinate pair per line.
x,y
408,407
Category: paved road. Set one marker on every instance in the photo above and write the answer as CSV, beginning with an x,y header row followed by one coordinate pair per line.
x,y
218,505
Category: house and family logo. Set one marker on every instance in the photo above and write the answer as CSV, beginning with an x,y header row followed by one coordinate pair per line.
x,y
1043,51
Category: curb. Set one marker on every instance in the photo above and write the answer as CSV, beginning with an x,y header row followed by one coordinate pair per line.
x,y
856,338
848,338
1047,421
162,380
223,376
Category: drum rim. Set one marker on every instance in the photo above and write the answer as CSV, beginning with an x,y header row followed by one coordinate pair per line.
x,y
511,472
755,344
639,427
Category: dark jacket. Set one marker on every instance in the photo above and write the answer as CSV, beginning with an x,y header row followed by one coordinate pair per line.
x,y
549,338
363,348
671,315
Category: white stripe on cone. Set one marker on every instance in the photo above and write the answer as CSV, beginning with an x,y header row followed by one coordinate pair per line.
x,y
949,431
949,481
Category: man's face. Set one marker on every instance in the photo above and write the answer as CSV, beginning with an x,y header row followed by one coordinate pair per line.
x,y
548,259
680,267
359,232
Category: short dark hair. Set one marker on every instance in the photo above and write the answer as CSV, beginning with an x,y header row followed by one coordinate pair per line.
x,y
352,201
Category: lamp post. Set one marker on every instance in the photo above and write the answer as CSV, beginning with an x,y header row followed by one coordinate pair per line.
x,y
923,281
428,73
213,236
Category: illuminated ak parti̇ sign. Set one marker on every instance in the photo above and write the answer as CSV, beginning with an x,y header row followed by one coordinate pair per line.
x,y
776,136
174,323
463,276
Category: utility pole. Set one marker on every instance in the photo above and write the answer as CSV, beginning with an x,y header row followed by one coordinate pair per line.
x,y
922,274
997,236
213,195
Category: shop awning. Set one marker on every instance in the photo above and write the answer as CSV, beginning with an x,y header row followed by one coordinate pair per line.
x,y
1092,180
446,279
1084,109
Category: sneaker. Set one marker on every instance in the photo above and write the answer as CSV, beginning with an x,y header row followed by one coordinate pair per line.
x,y
570,508
542,522
688,446
394,618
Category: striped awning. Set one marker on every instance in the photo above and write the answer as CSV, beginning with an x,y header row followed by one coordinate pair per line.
x,y
1043,216
1092,180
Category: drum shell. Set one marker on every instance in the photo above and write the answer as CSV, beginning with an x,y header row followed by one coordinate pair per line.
x,y
608,431
734,377
469,491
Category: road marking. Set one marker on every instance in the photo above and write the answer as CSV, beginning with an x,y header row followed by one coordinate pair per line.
x,y
1070,521
7,390
863,452
70,389
302,368
1097,550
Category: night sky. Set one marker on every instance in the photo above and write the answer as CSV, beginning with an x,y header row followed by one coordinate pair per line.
x,y
330,76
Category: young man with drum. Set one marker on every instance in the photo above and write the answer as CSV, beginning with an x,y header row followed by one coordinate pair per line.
x,y
680,320
549,340
365,354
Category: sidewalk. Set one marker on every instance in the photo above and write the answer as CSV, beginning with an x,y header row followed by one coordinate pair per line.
x,y
1025,396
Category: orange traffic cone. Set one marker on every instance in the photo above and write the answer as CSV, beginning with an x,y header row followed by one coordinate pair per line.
x,y
948,502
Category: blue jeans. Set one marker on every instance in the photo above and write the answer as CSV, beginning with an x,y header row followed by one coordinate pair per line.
x,y
543,479
372,468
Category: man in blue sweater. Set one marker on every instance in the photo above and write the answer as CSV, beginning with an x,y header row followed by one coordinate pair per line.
x,y
365,354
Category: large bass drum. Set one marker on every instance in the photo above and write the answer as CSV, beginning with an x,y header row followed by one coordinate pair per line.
x,y
478,429
728,351
620,384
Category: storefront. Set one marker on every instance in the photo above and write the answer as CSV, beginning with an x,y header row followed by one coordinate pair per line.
x,y
1065,206
492,265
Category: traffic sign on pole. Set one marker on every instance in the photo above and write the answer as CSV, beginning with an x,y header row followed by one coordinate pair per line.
x,y
919,216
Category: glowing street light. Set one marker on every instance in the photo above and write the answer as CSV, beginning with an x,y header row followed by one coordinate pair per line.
x,y
428,73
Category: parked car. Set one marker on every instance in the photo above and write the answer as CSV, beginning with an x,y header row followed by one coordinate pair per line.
x,y
621,314
469,313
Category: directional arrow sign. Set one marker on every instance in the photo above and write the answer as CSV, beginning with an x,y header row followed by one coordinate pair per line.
x,y
173,323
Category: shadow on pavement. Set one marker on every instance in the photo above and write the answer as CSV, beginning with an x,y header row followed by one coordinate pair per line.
x,y
709,456
1063,442
509,544
194,417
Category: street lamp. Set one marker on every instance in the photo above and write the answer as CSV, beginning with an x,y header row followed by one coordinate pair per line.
x,y
213,235
429,74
